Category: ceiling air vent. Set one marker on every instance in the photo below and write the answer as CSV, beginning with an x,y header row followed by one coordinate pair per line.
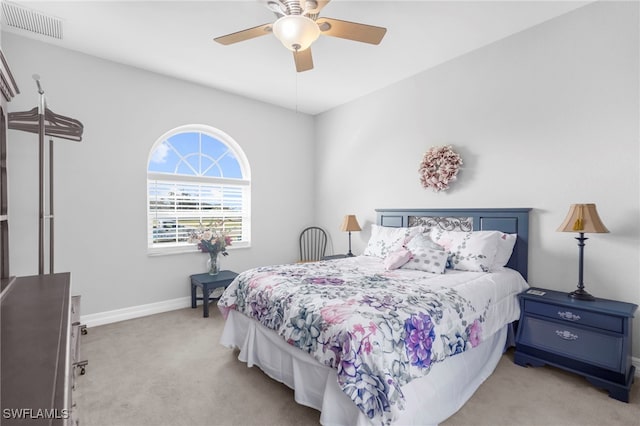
x,y
20,17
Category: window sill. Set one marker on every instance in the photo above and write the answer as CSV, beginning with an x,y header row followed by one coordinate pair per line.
x,y
191,248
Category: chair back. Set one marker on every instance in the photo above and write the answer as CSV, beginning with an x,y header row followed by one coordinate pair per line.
x,y
313,244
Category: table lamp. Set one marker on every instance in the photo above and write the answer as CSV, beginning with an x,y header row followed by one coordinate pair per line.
x,y
350,224
582,218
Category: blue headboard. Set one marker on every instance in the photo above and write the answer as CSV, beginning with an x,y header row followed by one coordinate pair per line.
x,y
508,220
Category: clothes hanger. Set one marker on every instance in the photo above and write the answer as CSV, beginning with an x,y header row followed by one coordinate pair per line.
x,y
62,127
55,125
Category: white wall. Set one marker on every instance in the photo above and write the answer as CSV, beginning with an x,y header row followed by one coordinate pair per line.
x,y
101,182
554,109
542,119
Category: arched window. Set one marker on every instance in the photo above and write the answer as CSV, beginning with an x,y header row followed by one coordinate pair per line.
x,y
196,176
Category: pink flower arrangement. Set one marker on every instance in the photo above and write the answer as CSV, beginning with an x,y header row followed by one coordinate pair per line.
x,y
439,167
211,240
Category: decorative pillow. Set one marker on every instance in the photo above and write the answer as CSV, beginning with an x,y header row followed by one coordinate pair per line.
x,y
384,239
397,258
506,242
428,260
469,251
422,241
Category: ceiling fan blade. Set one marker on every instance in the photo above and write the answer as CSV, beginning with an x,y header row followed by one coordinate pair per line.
x,y
303,59
351,30
243,35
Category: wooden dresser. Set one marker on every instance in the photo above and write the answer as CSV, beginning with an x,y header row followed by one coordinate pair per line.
x,y
39,350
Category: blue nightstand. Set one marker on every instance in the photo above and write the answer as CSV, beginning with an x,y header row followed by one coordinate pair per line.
x,y
208,283
590,338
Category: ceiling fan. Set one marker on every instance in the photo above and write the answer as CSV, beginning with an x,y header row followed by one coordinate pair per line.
x,y
298,26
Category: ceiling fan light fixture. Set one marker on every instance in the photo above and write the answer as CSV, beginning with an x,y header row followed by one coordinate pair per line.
x,y
296,32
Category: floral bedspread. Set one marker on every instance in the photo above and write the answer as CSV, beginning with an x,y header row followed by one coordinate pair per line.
x,y
380,329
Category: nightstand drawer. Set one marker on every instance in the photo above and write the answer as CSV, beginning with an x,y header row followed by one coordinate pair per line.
x,y
576,316
595,348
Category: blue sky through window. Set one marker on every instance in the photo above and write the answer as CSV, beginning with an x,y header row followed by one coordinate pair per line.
x,y
195,154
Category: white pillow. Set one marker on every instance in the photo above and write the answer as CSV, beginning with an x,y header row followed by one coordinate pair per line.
x,y
427,259
469,251
506,242
385,238
422,241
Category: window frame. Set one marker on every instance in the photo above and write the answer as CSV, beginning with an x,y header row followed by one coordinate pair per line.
x,y
244,183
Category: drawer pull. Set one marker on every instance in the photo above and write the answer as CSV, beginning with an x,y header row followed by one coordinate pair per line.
x,y
566,335
570,316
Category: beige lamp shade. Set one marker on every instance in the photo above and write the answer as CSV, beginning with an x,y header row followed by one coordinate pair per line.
x,y
350,223
583,218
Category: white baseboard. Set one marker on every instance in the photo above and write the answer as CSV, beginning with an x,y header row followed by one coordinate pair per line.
x,y
102,318
636,362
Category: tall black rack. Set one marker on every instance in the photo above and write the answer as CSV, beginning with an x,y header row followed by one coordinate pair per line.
x,y
44,122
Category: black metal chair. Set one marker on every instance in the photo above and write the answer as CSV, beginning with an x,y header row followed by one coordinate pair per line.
x,y
313,244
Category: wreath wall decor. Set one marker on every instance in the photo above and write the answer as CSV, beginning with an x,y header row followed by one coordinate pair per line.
x,y
439,167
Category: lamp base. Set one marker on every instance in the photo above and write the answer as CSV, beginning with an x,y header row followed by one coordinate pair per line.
x,y
581,294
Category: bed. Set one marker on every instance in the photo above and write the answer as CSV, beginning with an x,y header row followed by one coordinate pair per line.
x,y
375,339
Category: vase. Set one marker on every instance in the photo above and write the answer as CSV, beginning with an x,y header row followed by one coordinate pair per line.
x,y
213,264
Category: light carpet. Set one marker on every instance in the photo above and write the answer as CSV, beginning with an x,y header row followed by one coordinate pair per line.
x,y
169,369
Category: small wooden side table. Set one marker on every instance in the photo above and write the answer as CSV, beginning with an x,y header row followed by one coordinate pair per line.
x,y
208,283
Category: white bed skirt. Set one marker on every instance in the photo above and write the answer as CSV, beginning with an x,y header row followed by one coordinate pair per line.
x,y
429,400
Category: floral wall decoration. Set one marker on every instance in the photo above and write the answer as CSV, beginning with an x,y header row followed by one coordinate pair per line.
x,y
439,167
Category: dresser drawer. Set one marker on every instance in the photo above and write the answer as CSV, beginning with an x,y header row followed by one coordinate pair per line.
x,y
74,346
73,419
576,316
588,346
75,309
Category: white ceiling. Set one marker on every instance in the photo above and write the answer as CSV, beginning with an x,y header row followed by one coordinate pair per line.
x,y
175,38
